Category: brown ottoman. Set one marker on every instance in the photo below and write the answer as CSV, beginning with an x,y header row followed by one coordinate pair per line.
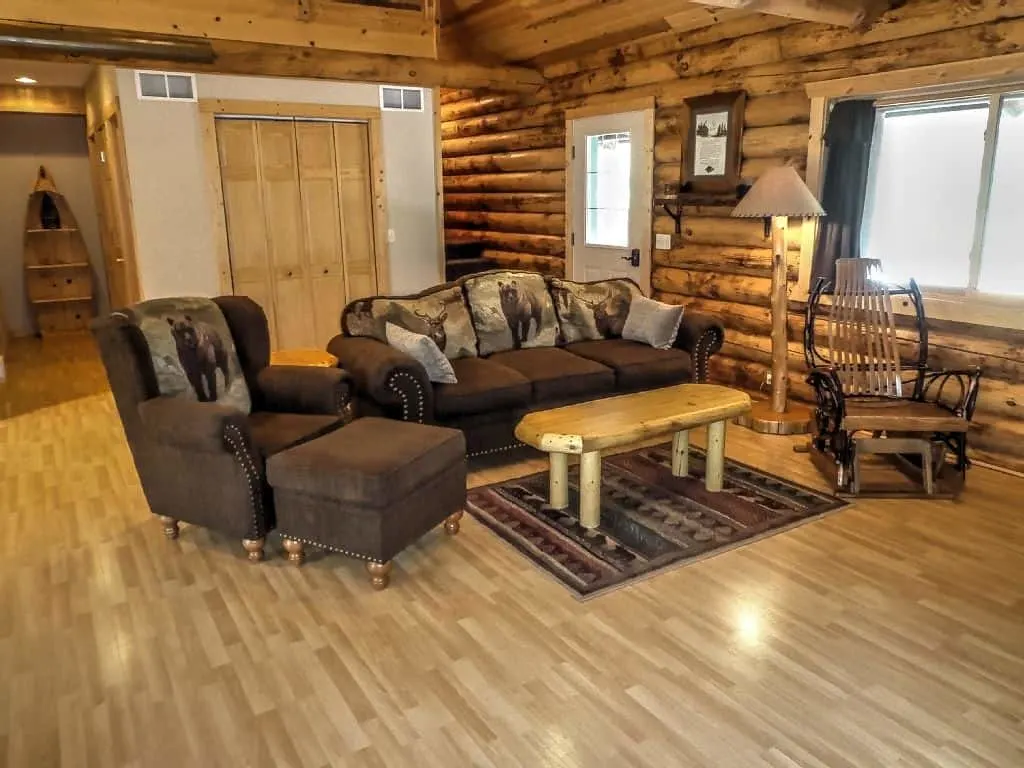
x,y
369,490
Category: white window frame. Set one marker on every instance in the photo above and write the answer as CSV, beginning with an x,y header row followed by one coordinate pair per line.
x,y
403,89
998,74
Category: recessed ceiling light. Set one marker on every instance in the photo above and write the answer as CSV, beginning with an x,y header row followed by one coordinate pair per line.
x,y
25,80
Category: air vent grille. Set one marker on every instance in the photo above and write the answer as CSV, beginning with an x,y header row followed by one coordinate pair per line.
x,y
165,86
395,99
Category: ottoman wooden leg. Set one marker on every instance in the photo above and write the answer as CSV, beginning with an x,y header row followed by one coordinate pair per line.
x,y
170,526
296,551
255,548
715,466
451,523
380,574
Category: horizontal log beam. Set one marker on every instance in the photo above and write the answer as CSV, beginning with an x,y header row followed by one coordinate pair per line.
x,y
741,289
258,59
506,141
545,245
535,181
529,223
526,202
497,162
548,265
756,262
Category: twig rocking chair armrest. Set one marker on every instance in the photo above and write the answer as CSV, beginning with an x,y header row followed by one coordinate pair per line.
x,y
301,389
966,385
386,376
192,426
701,336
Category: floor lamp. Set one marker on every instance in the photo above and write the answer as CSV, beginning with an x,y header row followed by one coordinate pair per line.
x,y
778,195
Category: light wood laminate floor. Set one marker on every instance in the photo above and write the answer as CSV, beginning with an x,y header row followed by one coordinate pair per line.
x,y
888,634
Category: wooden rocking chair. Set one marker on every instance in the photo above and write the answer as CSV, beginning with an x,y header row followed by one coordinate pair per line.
x,y
869,398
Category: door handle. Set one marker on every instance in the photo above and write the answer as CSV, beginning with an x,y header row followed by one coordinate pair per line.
x,y
633,258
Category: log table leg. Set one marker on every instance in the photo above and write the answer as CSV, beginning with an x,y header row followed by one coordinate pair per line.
x,y
715,465
681,453
590,489
558,481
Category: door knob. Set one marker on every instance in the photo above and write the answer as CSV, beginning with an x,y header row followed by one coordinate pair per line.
x,y
633,258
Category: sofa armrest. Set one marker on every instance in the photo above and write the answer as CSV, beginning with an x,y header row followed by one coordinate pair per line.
x,y
189,425
386,376
301,389
701,336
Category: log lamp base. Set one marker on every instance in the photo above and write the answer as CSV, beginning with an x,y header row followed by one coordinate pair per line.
x,y
795,421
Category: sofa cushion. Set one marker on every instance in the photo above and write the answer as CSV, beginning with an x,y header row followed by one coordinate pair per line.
x,y
482,386
511,310
274,432
440,314
591,311
424,351
192,350
557,374
370,461
637,366
653,322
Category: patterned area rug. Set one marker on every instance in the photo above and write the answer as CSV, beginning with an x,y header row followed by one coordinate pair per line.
x,y
650,519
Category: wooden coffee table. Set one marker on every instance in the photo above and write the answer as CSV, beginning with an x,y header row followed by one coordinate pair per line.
x,y
589,428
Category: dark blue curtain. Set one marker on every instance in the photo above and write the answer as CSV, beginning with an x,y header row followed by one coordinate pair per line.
x,y
851,126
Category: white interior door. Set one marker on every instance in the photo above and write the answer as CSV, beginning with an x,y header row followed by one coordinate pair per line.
x,y
610,189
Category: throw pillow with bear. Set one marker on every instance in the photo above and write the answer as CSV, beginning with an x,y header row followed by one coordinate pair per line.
x,y
511,310
192,350
441,315
593,311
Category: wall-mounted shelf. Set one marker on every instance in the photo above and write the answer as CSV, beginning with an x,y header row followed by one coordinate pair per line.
x,y
61,300
37,230
70,265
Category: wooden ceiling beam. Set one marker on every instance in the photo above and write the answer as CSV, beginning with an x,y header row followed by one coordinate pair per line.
x,y
38,100
258,59
331,24
840,13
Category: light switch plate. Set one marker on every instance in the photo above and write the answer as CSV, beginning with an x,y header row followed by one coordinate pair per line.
x,y
391,236
663,242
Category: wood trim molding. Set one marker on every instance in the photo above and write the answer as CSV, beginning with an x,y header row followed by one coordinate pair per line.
x,y
967,74
211,159
42,100
286,109
611,107
380,206
439,182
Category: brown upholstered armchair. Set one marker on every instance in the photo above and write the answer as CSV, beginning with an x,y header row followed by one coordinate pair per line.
x,y
203,463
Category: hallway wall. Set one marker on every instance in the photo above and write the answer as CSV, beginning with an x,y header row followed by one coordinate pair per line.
x,y
59,143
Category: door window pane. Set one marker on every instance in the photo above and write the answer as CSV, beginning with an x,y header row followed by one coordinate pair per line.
x,y
925,178
1001,257
608,175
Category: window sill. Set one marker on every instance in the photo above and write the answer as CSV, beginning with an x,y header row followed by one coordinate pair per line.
x,y
972,308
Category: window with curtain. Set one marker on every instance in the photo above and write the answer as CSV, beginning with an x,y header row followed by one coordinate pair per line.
x,y
945,191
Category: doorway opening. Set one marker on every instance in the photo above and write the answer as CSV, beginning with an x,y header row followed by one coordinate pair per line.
x,y
609,195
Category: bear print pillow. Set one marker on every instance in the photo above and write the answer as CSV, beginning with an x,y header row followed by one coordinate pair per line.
x,y
192,351
511,310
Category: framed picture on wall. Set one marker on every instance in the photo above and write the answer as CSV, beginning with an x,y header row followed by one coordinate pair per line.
x,y
711,160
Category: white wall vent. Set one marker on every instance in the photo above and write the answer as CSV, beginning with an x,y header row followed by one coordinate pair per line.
x,y
165,86
395,99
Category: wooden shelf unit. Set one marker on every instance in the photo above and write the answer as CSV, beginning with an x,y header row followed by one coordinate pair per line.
x,y
58,274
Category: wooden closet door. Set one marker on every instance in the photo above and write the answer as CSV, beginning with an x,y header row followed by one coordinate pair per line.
x,y
239,153
282,205
352,148
322,227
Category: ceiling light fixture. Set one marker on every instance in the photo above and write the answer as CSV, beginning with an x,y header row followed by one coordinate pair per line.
x,y
25,80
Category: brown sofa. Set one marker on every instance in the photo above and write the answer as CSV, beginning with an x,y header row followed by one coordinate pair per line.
x,y
494,392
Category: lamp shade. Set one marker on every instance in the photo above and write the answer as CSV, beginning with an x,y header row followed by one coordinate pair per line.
x,y
778,192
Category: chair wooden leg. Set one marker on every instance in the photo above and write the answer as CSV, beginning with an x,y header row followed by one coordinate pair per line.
x,y
170,526
380,574
254,547
296,551
927,475
451,523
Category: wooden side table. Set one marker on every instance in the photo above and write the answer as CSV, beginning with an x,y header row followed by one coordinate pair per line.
x,y
314,358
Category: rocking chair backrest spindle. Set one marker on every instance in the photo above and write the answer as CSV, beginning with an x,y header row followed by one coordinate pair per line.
x,y
862,342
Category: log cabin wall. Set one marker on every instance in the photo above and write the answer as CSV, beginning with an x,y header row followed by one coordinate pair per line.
x,y
504,172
